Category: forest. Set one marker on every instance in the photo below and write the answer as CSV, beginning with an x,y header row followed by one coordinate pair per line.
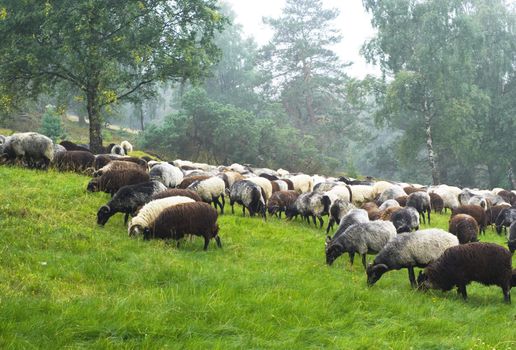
x,y
442,109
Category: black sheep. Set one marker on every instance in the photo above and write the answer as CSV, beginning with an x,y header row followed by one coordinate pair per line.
x,y
128,199
465,227
196,218
73,161
436,202
511,241
112,180
172,192
405,219
506,217
422,202
493,212
487,263
70,146
280,201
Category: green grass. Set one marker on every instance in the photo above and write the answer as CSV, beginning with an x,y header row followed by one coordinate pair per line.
x,y
64,282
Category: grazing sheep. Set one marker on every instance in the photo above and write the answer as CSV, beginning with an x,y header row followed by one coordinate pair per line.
x,y
268,176
391,193
361,193
36,150
150,211
128,199
127,147
475,211
70,146
363,238
493,212
290,184
354,216
405,219
280,201
379,187
322,187
389,203
249,195
57,149
112,180
372,210
449,195
386,214
77,161
167,174
465,227
310,204
187,181
479,200
172,192
338,209
281,185
302,183
264,184
508,197
511,240
340,192
409,250
196,218
506,217
436,202
420,201
118,165
210,190
487,263
118,150
230,177
402,200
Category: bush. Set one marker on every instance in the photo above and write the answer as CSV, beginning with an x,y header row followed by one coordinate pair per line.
x,y
51,124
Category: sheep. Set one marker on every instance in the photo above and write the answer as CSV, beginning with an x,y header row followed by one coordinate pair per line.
x,y
354,216
340,192
195,218
363,238
487,263
290,184
409,190
167,174
508,196
511,240
465,227
302,183
73,161
280,185
187,181
268,176
379,187
361,193
310,204
475,211
35,149
280,201
118,165
448,194
388,204
386,214
128,199
506,217
436,202
112,180
391,193
420,201
402,200
70,146
57,149
249,195
493,212
210,190
372,210
322,187
126,146
338,209
409,250
264,184
150,211
230,177
282,172
405,219
478,200
118,150
172,192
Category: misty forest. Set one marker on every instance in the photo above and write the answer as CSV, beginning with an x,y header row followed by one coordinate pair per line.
x,y
441,110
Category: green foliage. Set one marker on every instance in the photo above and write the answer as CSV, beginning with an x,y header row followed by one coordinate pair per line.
x,y
51,124
68,283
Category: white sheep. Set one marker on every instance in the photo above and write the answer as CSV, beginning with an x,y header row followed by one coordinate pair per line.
x,y
264,184
126,145
167,174
210,190
302,183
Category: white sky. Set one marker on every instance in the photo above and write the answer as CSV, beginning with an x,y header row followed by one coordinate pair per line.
x,y
353,23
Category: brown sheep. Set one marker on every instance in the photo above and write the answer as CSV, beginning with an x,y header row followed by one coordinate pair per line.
x,y
290,184
111,180
119,165
492,213
436,202
476,211
402,200
77,161
465,227
196,218
386,214
187,181
172,192
372,210
280,201
409,190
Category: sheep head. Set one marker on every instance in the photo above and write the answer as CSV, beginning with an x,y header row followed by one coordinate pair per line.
x,y
375,272
104,214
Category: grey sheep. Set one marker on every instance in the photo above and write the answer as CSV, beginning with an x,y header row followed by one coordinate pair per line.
x,y
36,150
405,219
354,216
363,238
167,174
409,250
310,204
421,201
338,209
249,195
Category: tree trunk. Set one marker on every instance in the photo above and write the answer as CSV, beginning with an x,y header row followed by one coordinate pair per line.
x,y
141,116
430,148
95,122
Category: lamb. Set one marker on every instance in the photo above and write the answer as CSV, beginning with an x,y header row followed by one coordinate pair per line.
x,y
126,146
506,217
420,201
150,211
310,204
167,174
264,184
195,218
187,181
475,211
363,238
465,227
290,184
408,250
249,195
479,200
35,149
280,201
77,161
487,263
172,192
338,209
511,240
354,216
112,180
302,183
128,199
405,219
436,202
210,190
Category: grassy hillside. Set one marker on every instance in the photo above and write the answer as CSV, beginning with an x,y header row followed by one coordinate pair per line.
x,y
64,282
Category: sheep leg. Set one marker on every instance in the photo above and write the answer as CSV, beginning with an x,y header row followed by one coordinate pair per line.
x,y
217,202
206,242
321,221
351,258
223,202
412,276
315,222
243,211
429,210
126,218
461,289
217,239
507,293
364,261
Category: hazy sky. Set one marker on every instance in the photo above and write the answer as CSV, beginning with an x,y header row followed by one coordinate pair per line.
x,y
353,22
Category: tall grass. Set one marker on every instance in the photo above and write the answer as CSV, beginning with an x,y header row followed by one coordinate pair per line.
x,y
65,282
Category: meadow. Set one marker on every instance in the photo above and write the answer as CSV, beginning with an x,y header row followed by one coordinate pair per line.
x,y
67,283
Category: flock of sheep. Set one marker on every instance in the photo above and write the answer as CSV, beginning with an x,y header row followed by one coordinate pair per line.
x,y
170,200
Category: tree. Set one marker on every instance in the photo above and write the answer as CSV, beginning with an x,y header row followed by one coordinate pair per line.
x,y
108,50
